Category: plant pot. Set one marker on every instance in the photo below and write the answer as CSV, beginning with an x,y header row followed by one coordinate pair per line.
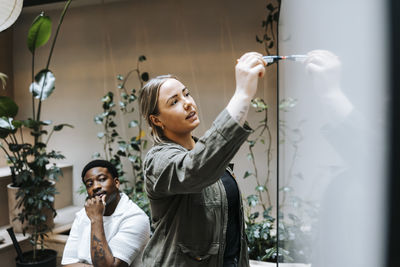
x,y
13,211
46,258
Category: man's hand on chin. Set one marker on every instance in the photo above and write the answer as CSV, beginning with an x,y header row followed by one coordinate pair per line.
x,y
95,207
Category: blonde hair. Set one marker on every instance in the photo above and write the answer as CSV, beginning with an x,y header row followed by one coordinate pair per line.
x,y
148,103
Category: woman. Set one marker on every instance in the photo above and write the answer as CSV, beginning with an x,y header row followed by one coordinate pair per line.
x,y
195,202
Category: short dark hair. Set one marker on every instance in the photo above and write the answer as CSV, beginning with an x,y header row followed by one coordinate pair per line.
x,y
100,163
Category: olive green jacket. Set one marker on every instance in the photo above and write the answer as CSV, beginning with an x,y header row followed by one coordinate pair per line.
x,y
188,200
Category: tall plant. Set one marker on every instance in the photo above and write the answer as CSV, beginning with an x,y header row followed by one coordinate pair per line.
x,y
261,228
117,147
290,239
30,163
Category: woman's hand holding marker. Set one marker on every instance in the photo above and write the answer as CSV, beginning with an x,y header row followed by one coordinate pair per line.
x,y
248,69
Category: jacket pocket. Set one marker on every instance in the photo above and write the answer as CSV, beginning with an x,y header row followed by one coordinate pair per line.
x,y
197,255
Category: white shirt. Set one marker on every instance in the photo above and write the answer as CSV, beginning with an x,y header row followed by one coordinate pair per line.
x,y
127,231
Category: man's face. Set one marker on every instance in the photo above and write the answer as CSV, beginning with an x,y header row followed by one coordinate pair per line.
x,y
99,182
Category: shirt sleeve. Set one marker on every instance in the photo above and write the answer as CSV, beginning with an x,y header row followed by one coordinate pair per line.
x,y
133,234
70,254
171,169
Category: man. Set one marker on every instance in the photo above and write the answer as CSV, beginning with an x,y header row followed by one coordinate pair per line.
x,y
111,230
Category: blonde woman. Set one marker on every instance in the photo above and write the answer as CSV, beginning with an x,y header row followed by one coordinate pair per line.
x,y
195,202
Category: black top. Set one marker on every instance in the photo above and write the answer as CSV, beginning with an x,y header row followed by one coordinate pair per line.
x,y
232,247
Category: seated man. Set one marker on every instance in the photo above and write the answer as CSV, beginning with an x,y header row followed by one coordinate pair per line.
x,y
111,230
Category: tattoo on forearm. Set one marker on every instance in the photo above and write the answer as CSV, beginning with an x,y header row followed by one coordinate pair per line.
x,y
98,251
241,116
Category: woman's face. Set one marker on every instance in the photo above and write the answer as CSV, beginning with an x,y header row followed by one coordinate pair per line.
x,y
177,109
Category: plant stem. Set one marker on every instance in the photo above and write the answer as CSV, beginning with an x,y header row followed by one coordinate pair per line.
x,y
48,138
33,80
140,130
8,144
253,162
125,80
269,154
22,136
106,143
35,235
16,143
50,55
58,29
291,167
8,155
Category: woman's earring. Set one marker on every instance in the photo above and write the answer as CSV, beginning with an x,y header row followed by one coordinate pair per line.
x,y
162,127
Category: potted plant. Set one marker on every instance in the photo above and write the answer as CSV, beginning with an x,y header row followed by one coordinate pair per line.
x,y
32,165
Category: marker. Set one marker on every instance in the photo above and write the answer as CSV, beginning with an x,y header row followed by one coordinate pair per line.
x,y
272,59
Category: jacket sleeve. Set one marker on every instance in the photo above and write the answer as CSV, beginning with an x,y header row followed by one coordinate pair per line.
x,y
171,169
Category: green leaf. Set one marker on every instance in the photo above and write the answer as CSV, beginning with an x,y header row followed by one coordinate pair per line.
x,y
252,200
39,32
124,95
132,98
98,119
259,104
133,124
266,214
254,215
14,147
43,85
252,143
122,145
6,123
276,16
15,125
142,58
100,135
8,108
260,188
107,98
247,174
145,76
144,144
132,158
30,123
60,126
96,155
270,7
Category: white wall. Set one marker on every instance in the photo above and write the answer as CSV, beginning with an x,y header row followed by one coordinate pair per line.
x,y
348,184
